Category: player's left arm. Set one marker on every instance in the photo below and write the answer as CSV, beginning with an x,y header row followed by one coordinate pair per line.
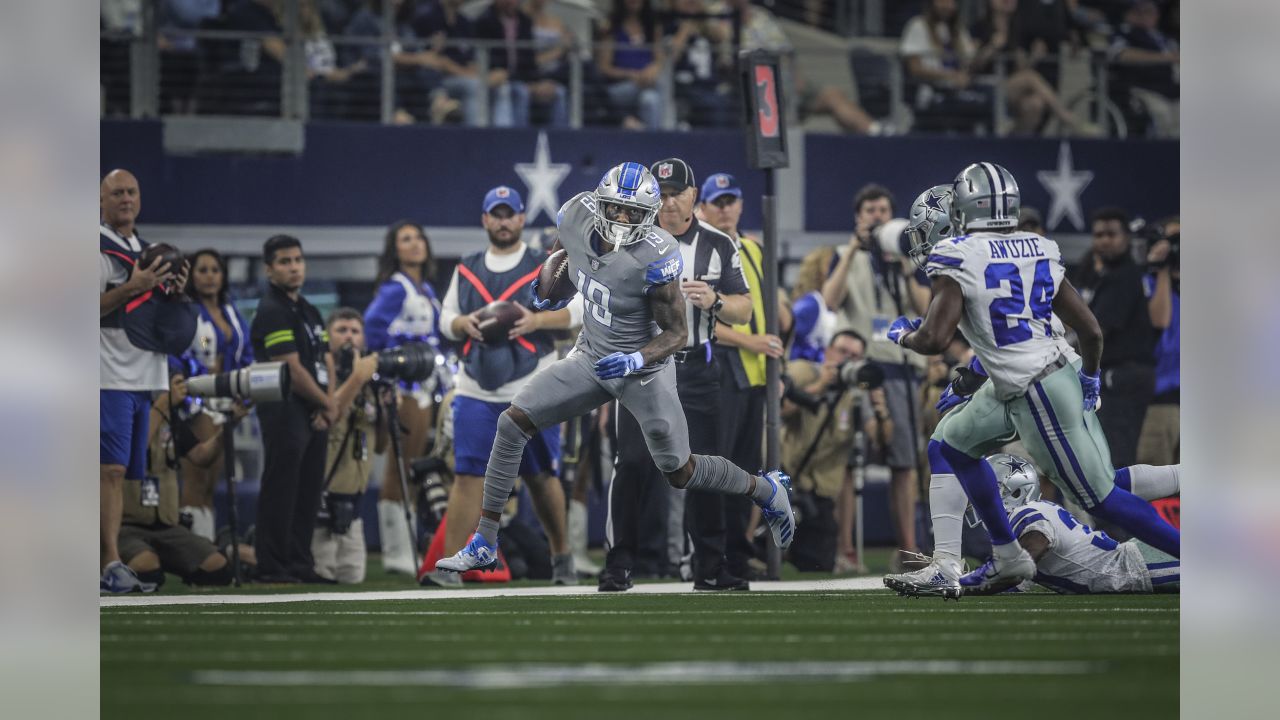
x,y
940,322
1075,314
667,305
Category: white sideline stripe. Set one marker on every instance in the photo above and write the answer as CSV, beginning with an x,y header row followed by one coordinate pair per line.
x,y
669,673
862,583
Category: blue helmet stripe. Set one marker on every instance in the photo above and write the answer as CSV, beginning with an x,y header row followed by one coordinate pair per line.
x,y
629,179
1004,194
991,183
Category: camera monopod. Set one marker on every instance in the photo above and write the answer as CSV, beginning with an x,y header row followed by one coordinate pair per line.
x,y
397,453
229,470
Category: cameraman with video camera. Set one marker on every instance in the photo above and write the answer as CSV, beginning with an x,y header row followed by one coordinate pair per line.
x,y
338,543
822,407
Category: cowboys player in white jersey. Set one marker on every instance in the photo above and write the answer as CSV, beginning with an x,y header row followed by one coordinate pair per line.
x,y
930,223
625,268
1072,558
1002,288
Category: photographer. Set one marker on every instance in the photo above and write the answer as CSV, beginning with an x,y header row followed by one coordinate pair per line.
x,y
1160,442
867,287
338,542
289,329
820,409
152,540
1111,281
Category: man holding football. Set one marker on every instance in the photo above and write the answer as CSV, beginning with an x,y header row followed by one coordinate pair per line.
x,y
495,372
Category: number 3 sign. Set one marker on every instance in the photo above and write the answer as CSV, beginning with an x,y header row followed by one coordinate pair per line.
x,y
762,78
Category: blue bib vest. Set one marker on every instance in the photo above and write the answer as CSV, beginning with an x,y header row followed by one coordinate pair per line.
x,y
151,322
495,365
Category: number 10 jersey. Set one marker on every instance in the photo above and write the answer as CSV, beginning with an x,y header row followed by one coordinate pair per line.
x,y
1009,282
615,286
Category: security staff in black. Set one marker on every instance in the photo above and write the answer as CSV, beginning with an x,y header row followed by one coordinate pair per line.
x,y
287,328
714,287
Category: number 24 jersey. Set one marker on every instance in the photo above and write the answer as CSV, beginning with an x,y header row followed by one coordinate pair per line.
x,y
1009,283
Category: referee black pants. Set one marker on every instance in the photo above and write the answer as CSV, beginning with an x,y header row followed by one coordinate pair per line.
x,y
292,481
698,384
742,443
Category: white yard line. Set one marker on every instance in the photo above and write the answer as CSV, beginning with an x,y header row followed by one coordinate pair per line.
x,y
665,673
805,586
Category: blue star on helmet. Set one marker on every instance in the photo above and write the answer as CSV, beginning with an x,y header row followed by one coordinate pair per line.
x,y
1014,464
934,202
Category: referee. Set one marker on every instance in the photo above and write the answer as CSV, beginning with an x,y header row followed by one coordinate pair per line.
x,y
741,352
714,287
288,329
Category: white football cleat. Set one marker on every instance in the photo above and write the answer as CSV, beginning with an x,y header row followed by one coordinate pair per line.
x,y
477,555
777,509
935,579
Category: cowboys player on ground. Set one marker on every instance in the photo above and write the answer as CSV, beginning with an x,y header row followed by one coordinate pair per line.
x,y
1071,558
1002,287
625,268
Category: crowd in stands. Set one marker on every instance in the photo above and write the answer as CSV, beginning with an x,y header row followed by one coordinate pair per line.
x,y
954,54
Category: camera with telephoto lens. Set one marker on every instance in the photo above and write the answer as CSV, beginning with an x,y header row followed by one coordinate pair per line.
x,y
890,238
433,499
259,382
411,362
866,374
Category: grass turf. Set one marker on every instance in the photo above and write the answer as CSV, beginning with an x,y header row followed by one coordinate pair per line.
x,y
1125,650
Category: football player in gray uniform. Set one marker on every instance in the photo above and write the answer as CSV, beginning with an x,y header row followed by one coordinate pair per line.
x,y
624,267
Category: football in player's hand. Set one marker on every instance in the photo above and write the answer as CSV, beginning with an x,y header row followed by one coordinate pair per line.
x,y
496,319
167,254
554,283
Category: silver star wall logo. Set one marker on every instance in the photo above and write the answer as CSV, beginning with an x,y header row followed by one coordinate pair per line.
x,y
542,178
1065,185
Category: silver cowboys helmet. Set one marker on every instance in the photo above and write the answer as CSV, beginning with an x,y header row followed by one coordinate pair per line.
x,y
1018,480
929,222
984,196
627,203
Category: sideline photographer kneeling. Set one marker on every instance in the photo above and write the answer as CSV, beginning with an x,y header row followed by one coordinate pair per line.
x,y
152,541
338,541
822,408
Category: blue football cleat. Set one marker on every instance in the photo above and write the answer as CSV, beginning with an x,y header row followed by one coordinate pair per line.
x,y
477,555
777,509
993,577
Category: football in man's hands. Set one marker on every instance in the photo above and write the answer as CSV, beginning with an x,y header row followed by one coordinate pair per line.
x,y
496,319
167,254
554,283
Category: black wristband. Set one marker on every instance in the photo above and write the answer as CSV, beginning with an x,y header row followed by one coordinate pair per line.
x,y
718,305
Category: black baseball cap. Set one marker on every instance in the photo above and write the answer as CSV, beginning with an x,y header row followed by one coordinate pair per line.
x,y
673,173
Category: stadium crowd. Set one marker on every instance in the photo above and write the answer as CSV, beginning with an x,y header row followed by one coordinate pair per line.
x,y
641,54
852,398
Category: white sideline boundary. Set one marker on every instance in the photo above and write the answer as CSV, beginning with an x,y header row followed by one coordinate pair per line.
x,y
662,674
795,586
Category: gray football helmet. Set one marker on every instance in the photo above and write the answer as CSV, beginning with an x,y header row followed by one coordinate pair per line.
x,y
1018,480
627,203
984,196
929,222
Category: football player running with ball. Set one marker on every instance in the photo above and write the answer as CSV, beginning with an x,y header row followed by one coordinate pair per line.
x,y
1002,287
625,268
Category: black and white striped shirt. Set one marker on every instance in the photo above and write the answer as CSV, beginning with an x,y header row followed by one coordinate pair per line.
x,y
712,257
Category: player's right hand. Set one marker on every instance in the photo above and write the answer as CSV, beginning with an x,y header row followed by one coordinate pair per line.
x,y
903,327
949,400
545,305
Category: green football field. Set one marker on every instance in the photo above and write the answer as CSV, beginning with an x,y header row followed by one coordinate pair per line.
x,y
657,654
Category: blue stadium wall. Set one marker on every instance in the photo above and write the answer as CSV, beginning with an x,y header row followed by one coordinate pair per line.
x,y
368,175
